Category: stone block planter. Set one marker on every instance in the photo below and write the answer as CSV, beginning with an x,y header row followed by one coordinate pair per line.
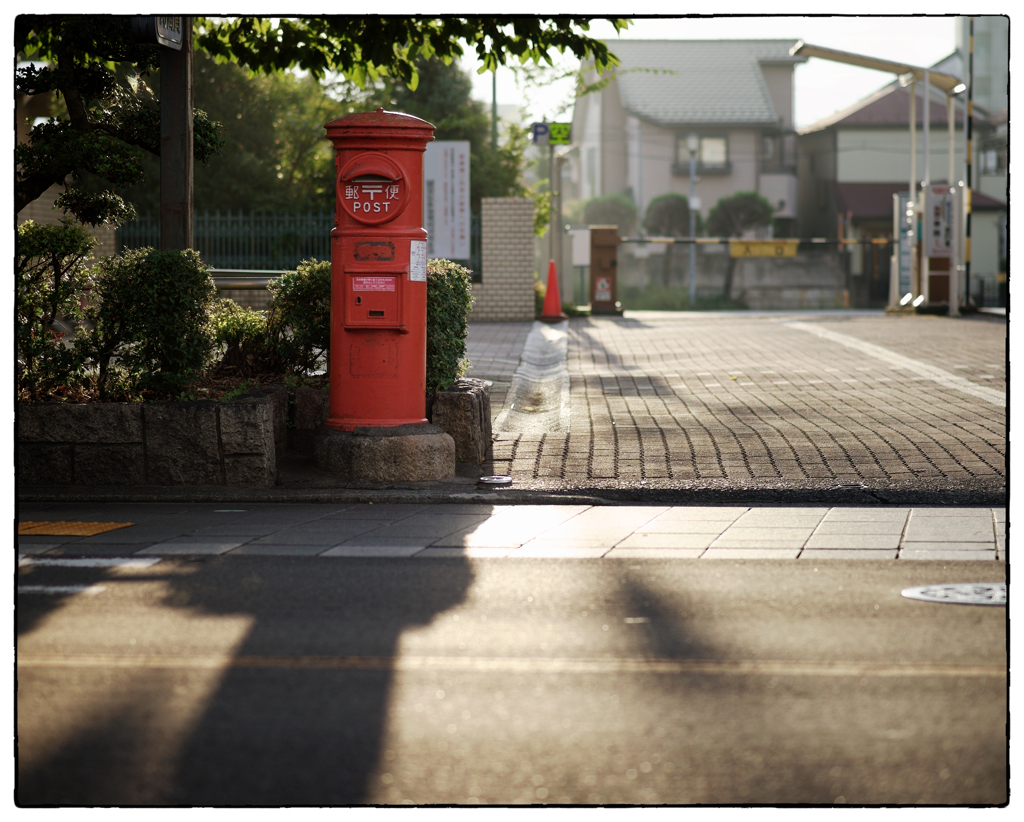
x,y
464,412
173,443
311,407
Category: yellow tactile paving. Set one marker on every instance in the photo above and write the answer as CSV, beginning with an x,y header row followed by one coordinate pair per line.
x,y
69,529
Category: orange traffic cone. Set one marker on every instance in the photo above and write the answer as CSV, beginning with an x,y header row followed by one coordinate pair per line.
x,y
552,312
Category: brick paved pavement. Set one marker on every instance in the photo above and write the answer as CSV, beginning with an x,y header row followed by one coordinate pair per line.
x,y
770,401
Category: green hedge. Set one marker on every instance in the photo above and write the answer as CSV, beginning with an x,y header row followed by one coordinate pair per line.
x,y
449,300
50,283
299,317
294,333
150,322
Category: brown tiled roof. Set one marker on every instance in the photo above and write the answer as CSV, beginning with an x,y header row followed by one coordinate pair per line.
x,y
890,106
873,201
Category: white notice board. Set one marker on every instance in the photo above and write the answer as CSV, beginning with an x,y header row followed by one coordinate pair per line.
x,y
446,199
939,221
580,245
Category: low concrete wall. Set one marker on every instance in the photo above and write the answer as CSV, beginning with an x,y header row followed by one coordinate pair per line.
x,y
173,443
813,279
237,443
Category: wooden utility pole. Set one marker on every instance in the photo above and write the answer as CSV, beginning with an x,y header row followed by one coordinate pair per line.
x,y
176,166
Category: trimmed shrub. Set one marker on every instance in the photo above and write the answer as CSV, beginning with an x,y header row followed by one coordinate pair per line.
x,y
611,209
151,330
449,299
298,321
50,282
243,333
299,318
668,216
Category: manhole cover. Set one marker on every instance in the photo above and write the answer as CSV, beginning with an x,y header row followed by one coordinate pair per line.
x,y
498,480
963,593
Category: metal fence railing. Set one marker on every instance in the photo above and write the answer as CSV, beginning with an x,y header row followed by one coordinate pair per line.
x,y
262,242
236,240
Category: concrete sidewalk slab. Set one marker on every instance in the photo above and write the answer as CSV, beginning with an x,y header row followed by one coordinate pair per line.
x,y
505,532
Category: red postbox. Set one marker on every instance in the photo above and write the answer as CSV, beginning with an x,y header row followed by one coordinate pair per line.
x,y
378,357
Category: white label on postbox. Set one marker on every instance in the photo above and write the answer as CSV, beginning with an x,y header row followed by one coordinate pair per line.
x,y
418,261
373,283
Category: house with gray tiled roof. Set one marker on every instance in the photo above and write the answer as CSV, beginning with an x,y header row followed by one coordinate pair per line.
x,y
736,96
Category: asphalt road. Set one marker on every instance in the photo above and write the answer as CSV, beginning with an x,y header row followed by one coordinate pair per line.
x,y
316,681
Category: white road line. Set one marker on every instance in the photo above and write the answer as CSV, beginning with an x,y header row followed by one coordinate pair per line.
x,y
58,590
924,370
88,562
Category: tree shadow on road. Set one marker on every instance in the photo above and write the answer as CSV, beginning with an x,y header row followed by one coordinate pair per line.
x,y
297,715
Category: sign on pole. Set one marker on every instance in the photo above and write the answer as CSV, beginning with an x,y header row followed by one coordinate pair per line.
x,y
446,199
580,246
159,30
940,221
553,134
763,248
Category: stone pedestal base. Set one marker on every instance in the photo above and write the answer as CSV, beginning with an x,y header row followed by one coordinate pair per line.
x,y
404,453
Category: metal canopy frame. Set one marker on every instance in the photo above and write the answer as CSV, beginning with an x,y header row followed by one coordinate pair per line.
x,y
908,75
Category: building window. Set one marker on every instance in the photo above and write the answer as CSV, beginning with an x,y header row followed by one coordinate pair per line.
x,y
993,161
778,153
712,154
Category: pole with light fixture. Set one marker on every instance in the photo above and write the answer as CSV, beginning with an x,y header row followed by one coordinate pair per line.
x,y
968,157
692,145
954,261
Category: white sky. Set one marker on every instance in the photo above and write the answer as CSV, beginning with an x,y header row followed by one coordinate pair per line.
x,y
821,86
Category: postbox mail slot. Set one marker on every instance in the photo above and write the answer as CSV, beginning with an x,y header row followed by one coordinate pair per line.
x,y
374,301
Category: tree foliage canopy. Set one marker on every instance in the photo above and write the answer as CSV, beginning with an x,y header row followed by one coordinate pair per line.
x,y
109,118
275,157
668,216
611,209
733,215
443,97
365,47
99,72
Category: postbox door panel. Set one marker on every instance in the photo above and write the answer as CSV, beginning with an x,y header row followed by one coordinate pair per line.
x,y
374,301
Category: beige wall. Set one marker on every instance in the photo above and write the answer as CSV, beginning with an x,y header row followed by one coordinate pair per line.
x,y
655,167
779,80
883,155
985,242
41,211
614,147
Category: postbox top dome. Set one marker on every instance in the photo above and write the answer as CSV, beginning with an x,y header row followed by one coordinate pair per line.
x,y
379,119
